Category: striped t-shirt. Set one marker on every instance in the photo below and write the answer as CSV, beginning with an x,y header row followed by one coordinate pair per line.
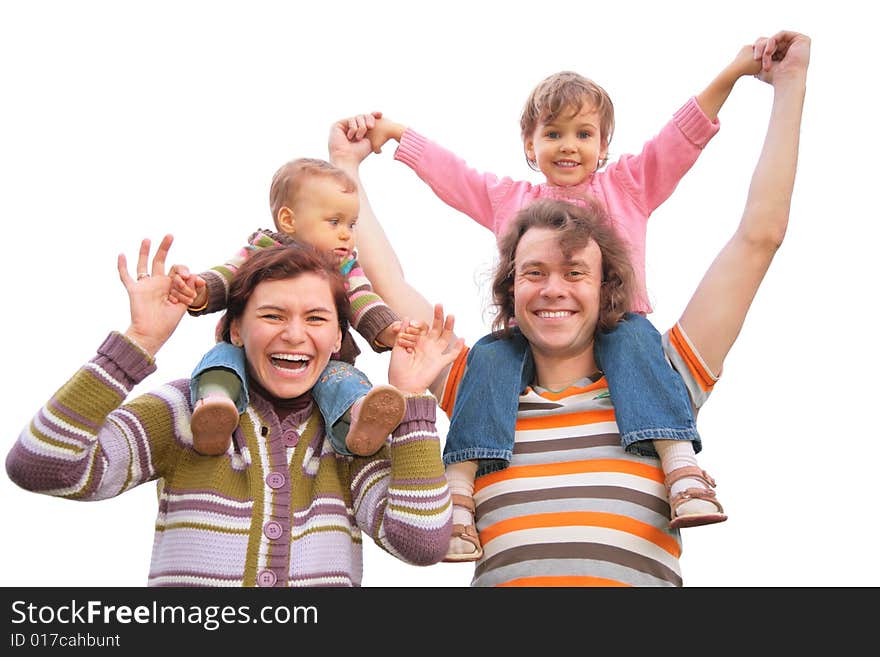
x,y
573,508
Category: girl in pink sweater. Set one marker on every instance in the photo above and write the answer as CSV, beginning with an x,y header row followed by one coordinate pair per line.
x,y
566,127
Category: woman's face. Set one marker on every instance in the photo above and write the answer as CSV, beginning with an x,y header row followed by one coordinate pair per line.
x,y
289,329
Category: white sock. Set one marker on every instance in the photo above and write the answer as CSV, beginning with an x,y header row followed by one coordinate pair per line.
x,y
461,481
219,381
676,454
354,410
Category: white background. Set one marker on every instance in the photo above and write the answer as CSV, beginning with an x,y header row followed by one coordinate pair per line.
x,y
127,120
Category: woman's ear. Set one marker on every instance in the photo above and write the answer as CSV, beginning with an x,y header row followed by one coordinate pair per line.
x,y
338,340
235,333
286,221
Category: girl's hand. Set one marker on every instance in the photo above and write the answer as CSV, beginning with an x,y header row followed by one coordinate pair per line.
x,y
154,315
346,145
784,54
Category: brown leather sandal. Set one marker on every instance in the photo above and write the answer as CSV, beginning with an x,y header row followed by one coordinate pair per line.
x,y
692,519
466,533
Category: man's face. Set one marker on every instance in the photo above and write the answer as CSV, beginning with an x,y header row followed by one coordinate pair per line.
x,y
556,298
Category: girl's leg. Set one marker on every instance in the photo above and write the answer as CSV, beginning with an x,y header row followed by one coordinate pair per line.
x,y
653,408
484,415
692,499
465,542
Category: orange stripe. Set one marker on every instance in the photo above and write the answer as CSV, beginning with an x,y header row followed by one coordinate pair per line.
x,y
564,420
570,392
456,372
582,518
570,467
702,377
560,581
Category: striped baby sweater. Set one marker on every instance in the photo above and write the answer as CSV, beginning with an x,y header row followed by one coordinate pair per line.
x,y
573,508
370,314
280,508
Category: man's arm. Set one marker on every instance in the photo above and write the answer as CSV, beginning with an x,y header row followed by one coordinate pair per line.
x,y
716,312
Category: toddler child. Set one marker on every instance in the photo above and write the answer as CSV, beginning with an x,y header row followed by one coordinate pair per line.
x,y
313,203
566,129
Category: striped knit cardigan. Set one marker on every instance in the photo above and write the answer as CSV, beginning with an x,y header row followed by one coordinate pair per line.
x,y
280,508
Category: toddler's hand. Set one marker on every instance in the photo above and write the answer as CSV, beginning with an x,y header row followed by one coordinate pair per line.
x,y
189,289
408,338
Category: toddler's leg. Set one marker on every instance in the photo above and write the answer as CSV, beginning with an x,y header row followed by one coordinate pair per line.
x,y
218,394
215,416
358,417
655,415
373,417
465,542
692,500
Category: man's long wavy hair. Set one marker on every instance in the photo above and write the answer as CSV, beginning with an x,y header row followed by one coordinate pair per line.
x,y
577,227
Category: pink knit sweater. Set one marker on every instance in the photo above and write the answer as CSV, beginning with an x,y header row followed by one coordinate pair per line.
x,y
631,188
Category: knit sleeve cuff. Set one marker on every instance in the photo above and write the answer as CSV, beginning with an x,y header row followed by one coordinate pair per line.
x,y
410,149
694,124
125,359
422,407
373,322
216,287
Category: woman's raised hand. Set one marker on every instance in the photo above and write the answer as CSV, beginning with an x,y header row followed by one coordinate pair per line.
x,y
154,315
413,368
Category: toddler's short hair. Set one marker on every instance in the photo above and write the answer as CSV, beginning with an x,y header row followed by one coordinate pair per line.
x,y
290,177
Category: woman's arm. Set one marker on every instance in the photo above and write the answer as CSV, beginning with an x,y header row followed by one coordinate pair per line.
x,y
406,507
84,444
716,312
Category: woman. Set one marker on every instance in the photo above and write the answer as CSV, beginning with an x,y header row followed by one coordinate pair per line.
x,y
280,507
572,507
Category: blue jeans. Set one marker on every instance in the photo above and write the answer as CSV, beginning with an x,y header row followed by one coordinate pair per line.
x,y
483,419
650,398
338,387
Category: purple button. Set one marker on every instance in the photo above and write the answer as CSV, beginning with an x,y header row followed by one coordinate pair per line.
x,y
266,578
275,480
273,530
290,438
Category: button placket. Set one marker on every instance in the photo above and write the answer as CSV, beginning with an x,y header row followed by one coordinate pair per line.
x,y
275,480
266,578
273,530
